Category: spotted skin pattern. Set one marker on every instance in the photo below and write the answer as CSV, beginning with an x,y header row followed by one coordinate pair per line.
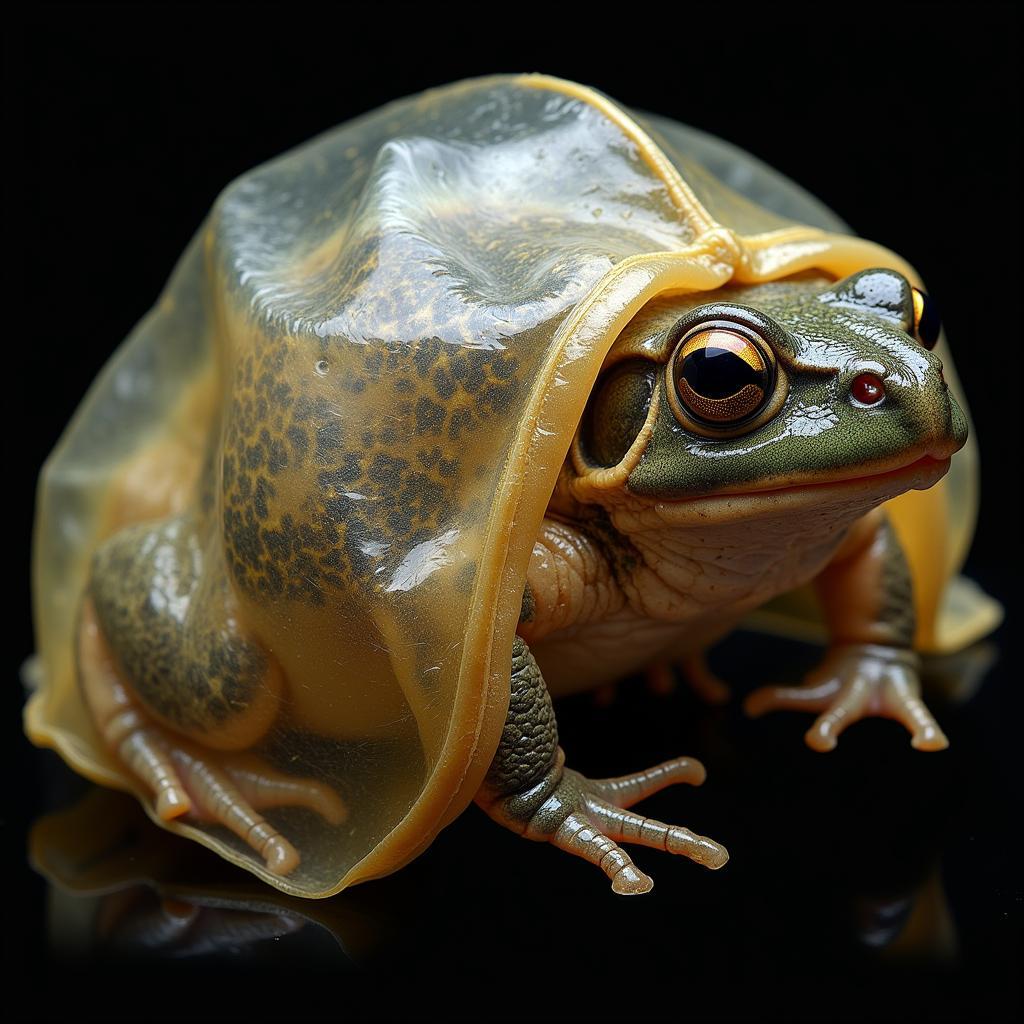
x,y
404,461
301,504
373,342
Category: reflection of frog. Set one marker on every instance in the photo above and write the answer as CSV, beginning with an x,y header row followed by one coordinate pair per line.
x,y
407,387
119,883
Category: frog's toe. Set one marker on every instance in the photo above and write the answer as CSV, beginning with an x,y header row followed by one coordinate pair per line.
x,y
838,701
661,678
125,727
588,818
608,800
585,817
579,836
216,798
529,790
185,778
899,700
144,753
626,790
237,787
265,788
704,681
625,826
848,707
812,697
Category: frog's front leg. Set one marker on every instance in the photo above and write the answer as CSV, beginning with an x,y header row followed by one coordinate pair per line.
x,y
530,791
871,667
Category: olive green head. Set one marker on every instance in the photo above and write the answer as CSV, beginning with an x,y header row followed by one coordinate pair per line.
x,y
771,387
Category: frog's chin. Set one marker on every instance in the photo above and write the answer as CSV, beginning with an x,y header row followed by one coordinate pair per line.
x,y
856,494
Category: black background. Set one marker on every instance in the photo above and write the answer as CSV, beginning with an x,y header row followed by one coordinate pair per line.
x,y
123,125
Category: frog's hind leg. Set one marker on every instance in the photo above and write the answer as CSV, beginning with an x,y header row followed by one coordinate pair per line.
x,y
229,789
125,727
179,694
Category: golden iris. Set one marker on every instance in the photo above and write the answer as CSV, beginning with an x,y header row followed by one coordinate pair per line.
x,y
722,376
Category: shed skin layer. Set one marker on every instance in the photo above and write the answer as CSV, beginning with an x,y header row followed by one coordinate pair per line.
x,y
353,403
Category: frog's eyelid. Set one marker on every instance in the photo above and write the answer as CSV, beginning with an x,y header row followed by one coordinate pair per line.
x,y
726,313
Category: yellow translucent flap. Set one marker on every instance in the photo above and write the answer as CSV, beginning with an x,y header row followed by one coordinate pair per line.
x,y
359,388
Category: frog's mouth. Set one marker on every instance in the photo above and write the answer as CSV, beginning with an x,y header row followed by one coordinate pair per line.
x,y
858,493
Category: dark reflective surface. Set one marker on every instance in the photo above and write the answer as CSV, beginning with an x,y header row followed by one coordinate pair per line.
x,y
872,881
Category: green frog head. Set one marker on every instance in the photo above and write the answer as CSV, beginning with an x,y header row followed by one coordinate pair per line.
x,y
769,390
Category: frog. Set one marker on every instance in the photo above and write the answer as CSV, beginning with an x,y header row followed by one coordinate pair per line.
x,y
457,419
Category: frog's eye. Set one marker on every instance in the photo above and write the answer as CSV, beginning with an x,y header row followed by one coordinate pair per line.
x,y
617,412
723,375
926,319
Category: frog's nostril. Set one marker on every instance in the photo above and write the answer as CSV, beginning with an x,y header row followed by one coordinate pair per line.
x,y
867,389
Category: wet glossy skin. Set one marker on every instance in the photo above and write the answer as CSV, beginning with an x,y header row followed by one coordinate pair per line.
x,y
820,431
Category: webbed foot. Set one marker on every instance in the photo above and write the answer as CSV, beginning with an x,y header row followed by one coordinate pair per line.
x,y
188,779
856,681
590,817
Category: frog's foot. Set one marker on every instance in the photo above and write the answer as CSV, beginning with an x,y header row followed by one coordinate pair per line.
x,y
660,677
694,669
704,682
589,818
856,681
230,790
186,779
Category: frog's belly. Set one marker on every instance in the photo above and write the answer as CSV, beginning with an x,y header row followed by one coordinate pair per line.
x,y
703,585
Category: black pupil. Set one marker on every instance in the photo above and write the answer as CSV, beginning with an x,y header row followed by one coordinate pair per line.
x,y
929,326
718,372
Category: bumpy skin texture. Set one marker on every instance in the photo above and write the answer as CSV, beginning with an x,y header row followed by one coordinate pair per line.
x,y
529,740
